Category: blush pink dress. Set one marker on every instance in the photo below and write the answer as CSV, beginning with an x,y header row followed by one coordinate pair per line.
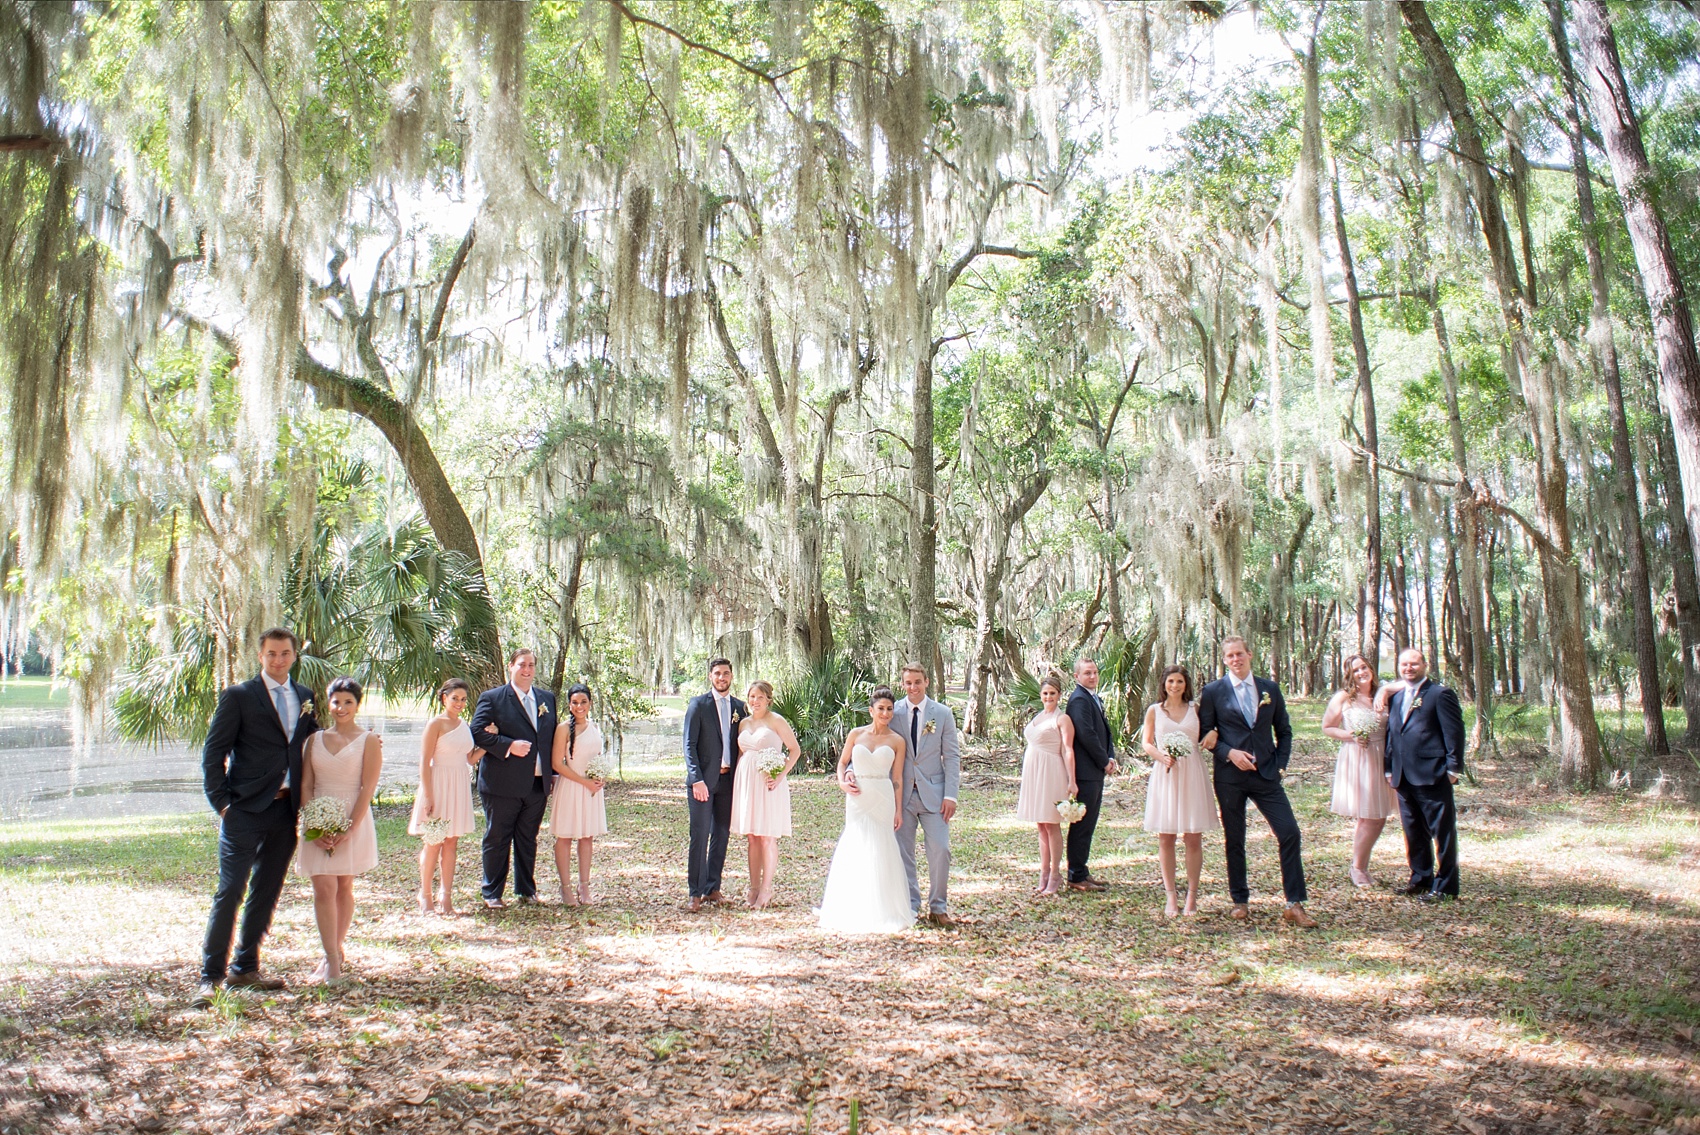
x,y
580,813
451,784
337,773
756,808
1361,790
1178,800
1044,776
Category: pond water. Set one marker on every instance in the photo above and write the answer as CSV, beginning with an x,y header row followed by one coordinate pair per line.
x,y
44,775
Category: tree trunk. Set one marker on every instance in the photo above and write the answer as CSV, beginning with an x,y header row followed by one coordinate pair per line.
x,y
1369,643
437,498
1580,750
990,594
1686,586
1673,323
1605,353
923,519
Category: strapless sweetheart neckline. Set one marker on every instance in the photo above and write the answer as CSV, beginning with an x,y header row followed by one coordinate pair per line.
x,y
875,749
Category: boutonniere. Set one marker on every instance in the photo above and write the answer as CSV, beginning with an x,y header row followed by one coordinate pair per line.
x,y
929,728
542,709
1418,704
307,708
1265,700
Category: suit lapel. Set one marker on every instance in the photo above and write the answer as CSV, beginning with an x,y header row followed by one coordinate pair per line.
x,y
519,708
270,707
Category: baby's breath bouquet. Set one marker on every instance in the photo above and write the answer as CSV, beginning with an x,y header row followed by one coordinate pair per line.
x,y
322,816
770,762
1071,811
597,768
1361,724
1177,745
434,831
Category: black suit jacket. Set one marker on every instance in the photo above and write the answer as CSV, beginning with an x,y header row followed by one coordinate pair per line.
x,y
1094,744
248,756
1429,744
702,740
498,773
1269,738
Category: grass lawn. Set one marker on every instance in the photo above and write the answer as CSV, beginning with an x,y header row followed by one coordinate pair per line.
x,y
1559,995
33,693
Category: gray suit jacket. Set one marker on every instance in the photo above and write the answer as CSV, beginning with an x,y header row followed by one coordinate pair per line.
x,y
933,770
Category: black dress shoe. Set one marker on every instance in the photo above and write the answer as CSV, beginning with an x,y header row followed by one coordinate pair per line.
x,y
1435,898
1414,889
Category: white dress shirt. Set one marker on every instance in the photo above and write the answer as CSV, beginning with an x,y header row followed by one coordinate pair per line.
x,y
292,704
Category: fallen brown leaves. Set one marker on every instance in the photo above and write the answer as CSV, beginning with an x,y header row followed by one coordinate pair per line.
x,y
1559,995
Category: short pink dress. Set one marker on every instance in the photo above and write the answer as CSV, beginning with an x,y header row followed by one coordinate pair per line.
x,y
1178,800
451,784
337,773
756,808
579,813
1361,790
1044,776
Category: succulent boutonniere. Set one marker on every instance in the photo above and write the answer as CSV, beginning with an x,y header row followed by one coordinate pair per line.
x,y
542,708
929,728
1418,703
1265,700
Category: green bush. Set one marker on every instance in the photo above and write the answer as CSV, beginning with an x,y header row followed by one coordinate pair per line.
x,y
823,703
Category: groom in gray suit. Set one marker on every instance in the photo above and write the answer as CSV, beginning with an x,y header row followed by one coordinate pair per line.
x,y
932,773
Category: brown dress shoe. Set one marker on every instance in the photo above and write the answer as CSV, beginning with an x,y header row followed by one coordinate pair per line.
x,y
942,920
205,993
714,897
1241,911
696,903
252,980
1089,884
1296,915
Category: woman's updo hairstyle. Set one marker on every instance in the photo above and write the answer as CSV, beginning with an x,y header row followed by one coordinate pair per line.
x,y
1053,681
762,686
450,687
879,694
345,684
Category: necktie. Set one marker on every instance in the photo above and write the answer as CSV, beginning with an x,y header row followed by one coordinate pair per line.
x,y
281,700
914,729
1410,696
531,706
1247,705
725,732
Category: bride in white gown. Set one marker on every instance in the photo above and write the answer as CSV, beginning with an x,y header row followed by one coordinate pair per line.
x,y
867,891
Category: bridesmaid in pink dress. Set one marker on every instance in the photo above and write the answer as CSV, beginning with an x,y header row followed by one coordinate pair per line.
x,y
1361,791
761,805
1047,778
342,761
445,792
580,810
1178,799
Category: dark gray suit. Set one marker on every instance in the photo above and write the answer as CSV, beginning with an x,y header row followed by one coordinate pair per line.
x,y
251,769
1422,749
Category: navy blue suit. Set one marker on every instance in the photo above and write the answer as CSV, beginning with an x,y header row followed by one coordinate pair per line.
x,y
711,761
511,789
1268,737
1094,749
1422,750
251,770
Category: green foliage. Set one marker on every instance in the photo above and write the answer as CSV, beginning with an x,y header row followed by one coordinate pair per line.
x,y
822,704
168,694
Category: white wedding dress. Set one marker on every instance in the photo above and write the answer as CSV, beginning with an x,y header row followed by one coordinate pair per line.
x,y
866,889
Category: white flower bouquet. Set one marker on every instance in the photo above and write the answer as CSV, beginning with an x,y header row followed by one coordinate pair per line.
x,y
597,768
1071,811
1178,746
1361,724
434,830
770,762
323,816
